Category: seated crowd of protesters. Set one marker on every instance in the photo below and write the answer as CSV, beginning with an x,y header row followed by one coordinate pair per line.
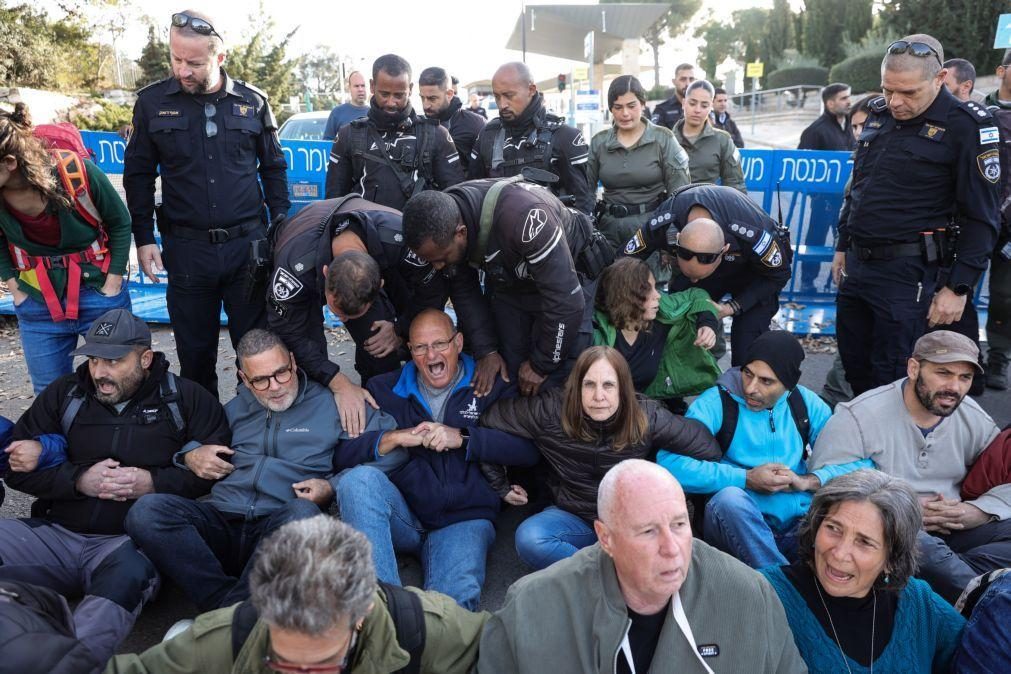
x,y
676,516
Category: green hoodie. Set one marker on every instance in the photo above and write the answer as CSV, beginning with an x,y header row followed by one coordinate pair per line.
x,y
451,639
685,369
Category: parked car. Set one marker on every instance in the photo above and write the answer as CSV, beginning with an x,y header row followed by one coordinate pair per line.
x,y
304,126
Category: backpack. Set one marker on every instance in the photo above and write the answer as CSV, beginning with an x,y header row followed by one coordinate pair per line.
x,y
405,610
169,397
63,136
798,410
419,160
37,632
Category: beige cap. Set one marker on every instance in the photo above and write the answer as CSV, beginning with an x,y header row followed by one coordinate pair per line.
x,y
945,346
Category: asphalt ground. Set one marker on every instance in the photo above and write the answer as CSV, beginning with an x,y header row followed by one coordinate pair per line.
x,y
504,566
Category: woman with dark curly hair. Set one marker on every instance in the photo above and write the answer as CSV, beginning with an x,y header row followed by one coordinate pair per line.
x,y
851,600
665,338
65,256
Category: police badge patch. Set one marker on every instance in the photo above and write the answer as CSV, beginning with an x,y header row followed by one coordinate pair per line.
x,y
635,244
773,257
285,286
989,165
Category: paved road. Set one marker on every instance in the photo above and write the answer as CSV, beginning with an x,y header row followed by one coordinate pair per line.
x,y
503,565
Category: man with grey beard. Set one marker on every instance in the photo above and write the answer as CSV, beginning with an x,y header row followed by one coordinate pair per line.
x,y
923,429
124,416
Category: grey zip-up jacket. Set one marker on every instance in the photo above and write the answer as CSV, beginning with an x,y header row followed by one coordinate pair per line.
x,y
273,450
571,618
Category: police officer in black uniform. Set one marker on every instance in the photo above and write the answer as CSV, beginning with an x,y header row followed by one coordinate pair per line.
x,y
525,135
439,100
670,111
921,218
392,153
726,245
210,138
540,259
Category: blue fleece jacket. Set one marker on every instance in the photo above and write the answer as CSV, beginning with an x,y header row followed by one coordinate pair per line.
x,y
768,436
54,447
442,488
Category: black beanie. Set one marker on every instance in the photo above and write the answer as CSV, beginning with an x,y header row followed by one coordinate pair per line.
x,y
781,351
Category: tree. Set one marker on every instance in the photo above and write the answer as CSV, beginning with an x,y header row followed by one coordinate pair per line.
x,y
670,24
828,24
154,59
779,30
966,28
262,65
720,42
320,72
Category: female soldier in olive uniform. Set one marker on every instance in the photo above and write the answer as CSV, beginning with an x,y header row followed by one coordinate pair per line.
x,y
712,154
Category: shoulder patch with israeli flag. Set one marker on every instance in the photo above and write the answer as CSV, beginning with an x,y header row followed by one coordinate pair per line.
x,y
989,134
763,243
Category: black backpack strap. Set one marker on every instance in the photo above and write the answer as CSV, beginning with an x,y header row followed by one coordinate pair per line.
x,y
170,397
728,427
71,406
243,621
801,418
408,621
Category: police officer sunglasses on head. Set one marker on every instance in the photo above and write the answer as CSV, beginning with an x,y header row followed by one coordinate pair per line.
x,y
687,254
210,128
181,20
915,48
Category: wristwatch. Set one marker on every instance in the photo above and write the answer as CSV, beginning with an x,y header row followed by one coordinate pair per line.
x,y
464,437
961,289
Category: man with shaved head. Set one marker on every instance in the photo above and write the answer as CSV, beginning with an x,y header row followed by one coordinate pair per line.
x,y
921,218
527,136
726,245
434,502
644,597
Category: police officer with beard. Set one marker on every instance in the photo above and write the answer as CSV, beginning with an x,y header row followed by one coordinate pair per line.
x,y
540,259
726,245
439,100
525,135
214,142
670,111
392,153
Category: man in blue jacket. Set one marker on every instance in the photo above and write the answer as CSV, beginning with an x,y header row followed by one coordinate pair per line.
x,y
436,504
285,428
24,456
761,487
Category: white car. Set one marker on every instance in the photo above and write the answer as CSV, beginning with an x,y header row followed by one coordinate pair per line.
x,y
304,126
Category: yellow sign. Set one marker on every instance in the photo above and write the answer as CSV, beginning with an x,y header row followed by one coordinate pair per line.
x,y
756,69
580,73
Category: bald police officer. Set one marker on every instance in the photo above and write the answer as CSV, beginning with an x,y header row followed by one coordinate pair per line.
x,y
921,218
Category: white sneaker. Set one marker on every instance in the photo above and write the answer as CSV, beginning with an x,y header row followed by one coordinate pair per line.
x,y
177,629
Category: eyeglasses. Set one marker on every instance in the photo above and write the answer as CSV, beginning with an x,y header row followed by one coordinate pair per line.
x,y
439,347
271,662
915,48
210,128
200,26
703,258
282,376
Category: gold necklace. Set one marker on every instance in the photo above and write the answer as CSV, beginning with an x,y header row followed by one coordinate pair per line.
x,y
874,617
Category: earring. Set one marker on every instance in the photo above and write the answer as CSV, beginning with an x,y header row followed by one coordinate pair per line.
x,y
888,579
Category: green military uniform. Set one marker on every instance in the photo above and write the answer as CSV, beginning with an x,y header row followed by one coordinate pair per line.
x,y
636,179
712,156
998,324
451,640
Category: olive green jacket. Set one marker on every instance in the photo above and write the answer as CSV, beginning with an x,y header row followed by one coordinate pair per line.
x,y
712,156
452,637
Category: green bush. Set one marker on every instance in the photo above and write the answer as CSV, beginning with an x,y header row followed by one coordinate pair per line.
x,y
660,93
108,117
862,73
791,77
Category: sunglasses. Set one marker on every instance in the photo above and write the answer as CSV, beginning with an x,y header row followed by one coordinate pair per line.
x,y
703,258
210,128
915,48
199,26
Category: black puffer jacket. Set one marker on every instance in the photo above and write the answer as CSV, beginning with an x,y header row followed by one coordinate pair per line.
x,y
580,466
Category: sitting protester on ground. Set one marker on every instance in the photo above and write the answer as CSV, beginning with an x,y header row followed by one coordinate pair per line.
x,y
986,642
665,337
646,598
764,421
436,503
582,430
925,430
315,606
851,597
124,416
285,429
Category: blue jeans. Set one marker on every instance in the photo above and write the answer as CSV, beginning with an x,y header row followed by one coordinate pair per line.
x,y
734,524
452,557
551,535
986,641
47,344
208,553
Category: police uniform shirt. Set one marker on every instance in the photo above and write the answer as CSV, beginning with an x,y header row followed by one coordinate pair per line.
x,y
207,182
757,264
914,176
668,113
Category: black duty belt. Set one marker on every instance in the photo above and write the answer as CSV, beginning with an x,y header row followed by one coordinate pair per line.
x,y
623,210
888,252
217,235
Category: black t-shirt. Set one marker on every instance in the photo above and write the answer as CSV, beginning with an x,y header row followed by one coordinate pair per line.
x,y
643,636
850,615
644,355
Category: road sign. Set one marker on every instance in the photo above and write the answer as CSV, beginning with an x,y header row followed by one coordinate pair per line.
x,y
1002,40
756,69
580,73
